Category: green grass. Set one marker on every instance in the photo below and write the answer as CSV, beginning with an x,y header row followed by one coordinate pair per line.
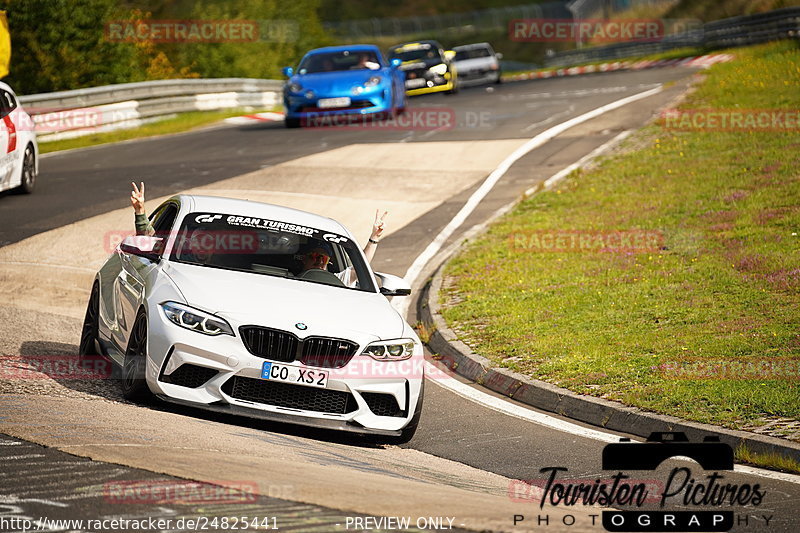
x,y
777,462
182,122
725,284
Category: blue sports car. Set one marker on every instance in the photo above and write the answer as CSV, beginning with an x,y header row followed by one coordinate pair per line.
x,y
339,81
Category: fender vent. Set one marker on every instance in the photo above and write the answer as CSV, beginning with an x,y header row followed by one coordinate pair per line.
x,y
191,376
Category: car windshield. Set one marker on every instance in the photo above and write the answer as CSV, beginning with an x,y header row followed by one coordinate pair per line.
x,y
472,53
419,52
271,248
339,61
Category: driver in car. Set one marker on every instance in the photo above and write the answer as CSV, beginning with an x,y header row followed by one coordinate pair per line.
x,y
320,255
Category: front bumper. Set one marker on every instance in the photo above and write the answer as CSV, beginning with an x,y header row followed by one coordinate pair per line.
x,y
374,102
189,368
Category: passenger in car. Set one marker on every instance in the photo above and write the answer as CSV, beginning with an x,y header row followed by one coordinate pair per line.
x,y
143,226
319,256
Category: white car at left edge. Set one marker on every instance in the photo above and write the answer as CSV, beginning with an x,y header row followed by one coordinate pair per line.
x,y
19,152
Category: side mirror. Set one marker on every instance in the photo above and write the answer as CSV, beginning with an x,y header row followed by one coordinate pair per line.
x,y
393,285
287,71
449,55
499,56
395,63
143,246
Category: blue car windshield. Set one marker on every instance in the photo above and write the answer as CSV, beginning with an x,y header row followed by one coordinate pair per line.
x,y
339,61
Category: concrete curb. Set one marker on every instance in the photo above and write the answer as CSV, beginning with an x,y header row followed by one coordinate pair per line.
x,y
459,358
704,61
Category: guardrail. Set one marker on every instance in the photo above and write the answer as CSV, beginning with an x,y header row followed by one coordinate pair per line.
x,y
67,114
736,31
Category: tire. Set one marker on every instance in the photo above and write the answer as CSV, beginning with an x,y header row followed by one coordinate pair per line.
x,y
291,122
28,171
499,79
134,385
90,358
455,88
89,332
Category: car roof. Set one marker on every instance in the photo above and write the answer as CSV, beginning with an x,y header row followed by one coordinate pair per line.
x,y
347,47
247,208
424,41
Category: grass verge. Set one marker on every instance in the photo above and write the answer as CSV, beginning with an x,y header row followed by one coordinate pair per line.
x,y
720,288
181,123
777,462
678,53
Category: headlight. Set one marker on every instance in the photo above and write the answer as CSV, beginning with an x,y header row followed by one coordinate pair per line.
x,y
295,88
373,81
393,350
195,319
439,69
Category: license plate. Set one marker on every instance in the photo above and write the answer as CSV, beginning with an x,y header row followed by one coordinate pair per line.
x,y
327,103
294,374
418,82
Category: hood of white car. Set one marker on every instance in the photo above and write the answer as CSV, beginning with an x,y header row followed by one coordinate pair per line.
x,y
475,63
247,298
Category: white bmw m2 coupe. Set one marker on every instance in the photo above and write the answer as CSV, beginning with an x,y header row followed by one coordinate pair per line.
x,y
259,310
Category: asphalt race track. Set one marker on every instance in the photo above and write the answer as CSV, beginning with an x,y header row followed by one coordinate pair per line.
x,y
464,460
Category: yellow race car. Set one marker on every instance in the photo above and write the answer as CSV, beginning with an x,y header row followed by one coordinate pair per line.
x,y
428,67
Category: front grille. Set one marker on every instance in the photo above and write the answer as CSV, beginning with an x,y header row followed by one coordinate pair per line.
x,y
285,347
272,344
327,353
291,396
416,73
356,104
191,376
383,404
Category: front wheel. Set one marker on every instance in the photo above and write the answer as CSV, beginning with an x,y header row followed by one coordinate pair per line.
x,y
134,384
89,335
28,171
291,122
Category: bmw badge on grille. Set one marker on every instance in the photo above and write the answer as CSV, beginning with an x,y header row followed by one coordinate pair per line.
x,y
301,326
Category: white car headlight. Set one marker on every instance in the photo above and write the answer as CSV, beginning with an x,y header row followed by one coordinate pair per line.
x,y
195,319
295,88
393,350
439,69
373,81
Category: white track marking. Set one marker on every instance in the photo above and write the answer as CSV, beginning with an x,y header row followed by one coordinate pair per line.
x,y
505,407
422,259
